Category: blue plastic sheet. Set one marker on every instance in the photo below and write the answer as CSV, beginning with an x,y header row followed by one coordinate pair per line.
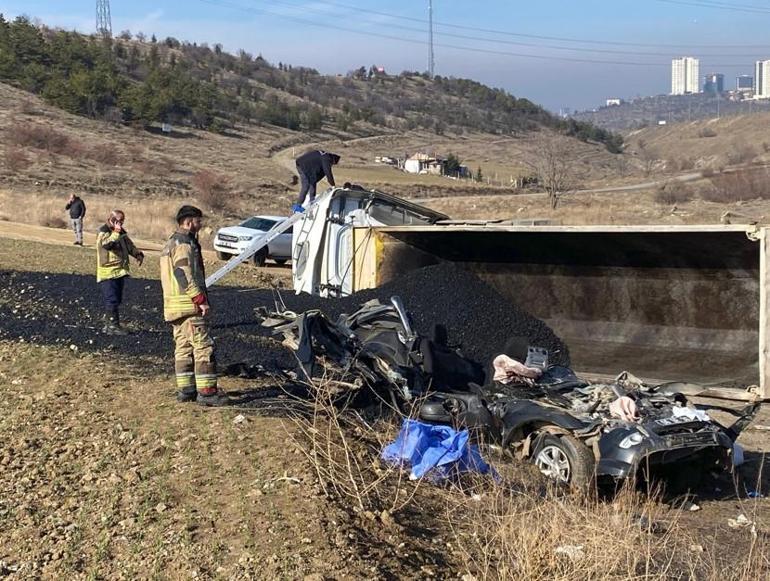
x,y
439,452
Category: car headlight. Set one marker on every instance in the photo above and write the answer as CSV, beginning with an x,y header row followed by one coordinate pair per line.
x,y
245,238
631,440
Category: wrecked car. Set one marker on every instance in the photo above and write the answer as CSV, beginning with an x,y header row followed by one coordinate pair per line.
x,y
574,431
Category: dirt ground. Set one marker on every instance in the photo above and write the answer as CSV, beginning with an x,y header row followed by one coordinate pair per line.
x,y
105,476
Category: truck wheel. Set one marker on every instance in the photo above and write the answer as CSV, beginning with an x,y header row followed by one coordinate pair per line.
x,y
567,460
281,261
224,256
260,257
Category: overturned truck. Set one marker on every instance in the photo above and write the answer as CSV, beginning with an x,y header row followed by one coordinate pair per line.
x,y
684,303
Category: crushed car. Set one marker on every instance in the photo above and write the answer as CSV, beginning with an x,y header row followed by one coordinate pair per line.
x,y
574,431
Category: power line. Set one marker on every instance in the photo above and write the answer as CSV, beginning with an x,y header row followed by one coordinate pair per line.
x,y
226,4
543,37
719,6
103,18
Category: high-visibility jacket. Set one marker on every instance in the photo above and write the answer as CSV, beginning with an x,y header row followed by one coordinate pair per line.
x,y
112,252
182,276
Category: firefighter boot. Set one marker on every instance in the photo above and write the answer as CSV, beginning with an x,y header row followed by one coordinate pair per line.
x,y
213,398
112,324
186,394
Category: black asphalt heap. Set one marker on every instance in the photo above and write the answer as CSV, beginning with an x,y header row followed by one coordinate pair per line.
x,y
66,309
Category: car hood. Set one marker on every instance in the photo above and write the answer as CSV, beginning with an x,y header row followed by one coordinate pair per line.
x,y
240,231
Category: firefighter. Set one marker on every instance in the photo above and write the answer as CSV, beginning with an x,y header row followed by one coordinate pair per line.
x,y
186,307
113,247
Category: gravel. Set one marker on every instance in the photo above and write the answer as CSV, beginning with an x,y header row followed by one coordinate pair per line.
x,y
66,309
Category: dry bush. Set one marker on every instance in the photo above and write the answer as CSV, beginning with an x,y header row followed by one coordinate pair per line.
x,y
742,153
673,193
106,154
16,159
41,137
529,535
344,449
52,222
707,132
212,189
686,163
708,172
738,186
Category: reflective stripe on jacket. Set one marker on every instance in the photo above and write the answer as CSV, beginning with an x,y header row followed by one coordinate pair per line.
x,y
112,252
182,276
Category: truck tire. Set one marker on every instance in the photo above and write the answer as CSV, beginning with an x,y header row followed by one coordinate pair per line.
x,y
260,257
567,460
281,261
224,256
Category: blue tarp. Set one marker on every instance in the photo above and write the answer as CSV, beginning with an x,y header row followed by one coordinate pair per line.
x,y
438,451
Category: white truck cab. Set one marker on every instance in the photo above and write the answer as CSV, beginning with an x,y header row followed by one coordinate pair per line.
x,y
323,250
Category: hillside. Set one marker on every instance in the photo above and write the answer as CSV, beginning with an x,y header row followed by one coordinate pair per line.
x,y
145,83
650,111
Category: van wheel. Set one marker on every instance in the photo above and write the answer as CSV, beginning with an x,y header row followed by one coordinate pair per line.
x,y
281,261
260,257
224,256
566,460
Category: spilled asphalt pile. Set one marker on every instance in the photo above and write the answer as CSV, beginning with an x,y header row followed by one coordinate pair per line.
x,y
66,309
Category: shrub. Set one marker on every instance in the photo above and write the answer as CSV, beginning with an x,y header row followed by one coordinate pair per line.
x,y
45,138
708,172
106,154
738,186
52,222
16,159
670,194
742,153
707,132
212,188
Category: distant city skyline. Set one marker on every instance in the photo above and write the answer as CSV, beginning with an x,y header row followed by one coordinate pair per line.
x,y
597,48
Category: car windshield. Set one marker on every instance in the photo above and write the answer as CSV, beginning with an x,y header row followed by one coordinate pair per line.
x,y
256,223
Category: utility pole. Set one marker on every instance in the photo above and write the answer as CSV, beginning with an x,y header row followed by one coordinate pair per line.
x,y
103,18
431,61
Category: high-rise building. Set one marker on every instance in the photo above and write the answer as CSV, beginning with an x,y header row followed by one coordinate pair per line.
x,y
685,75
714,83
762,80
744,84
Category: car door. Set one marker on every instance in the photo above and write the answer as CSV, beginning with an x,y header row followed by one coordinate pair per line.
x,y
281,246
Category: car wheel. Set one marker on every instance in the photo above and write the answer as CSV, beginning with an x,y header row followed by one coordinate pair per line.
x,y
224,256
566,460
260,257
281,261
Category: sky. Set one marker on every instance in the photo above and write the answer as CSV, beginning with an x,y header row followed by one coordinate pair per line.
x,y
559,53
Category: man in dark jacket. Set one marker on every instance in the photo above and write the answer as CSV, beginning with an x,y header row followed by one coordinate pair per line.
x,y
312,167
77,209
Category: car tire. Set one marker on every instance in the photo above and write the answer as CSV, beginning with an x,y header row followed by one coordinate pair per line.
x,y
224,256
281,261
566,460
260,257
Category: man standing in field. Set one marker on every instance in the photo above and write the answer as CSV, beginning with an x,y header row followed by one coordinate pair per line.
x,y
312,167
77,210
186,307
113,247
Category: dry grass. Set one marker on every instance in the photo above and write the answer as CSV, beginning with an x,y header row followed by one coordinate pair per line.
x,y
510,529
672,193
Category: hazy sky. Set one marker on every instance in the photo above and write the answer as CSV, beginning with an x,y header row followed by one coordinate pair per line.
x,y
630,41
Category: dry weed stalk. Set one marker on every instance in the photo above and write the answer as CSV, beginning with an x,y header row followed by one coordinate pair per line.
x,y
344,448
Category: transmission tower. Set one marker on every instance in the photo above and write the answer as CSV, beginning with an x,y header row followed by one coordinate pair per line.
x,y
431,61
103,18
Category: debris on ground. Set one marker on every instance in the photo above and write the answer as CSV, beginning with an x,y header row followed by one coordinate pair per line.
x,y
572,552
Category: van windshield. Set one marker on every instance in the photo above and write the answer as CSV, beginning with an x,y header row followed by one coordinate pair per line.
x,y
255,223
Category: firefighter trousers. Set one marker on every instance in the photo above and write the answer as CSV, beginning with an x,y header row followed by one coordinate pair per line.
x,y
194,355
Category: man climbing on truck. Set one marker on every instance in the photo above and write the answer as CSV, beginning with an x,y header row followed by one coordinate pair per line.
x,y
312,167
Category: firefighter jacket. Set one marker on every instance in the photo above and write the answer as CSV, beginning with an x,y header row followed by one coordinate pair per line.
x,y
182,276
112,252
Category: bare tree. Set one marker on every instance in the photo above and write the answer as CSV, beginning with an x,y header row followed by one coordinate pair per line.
x,y
648,157
555,167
